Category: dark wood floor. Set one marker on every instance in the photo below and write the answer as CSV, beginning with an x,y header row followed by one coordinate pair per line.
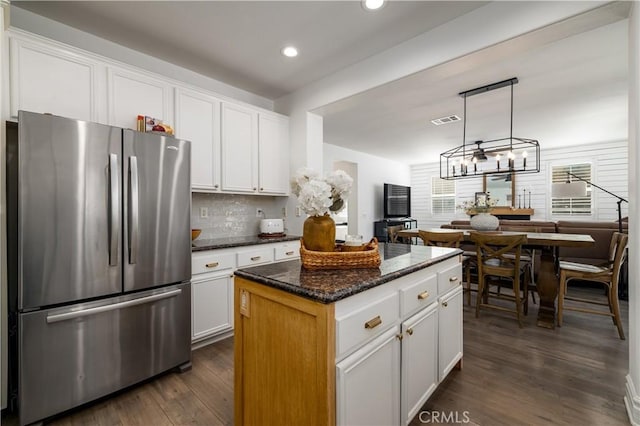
x,y
511,376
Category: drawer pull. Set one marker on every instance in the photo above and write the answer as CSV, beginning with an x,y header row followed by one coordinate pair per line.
x,y
212,264
373,323
423,295
453,279
410,331
289,253
445,304
399,336
254,258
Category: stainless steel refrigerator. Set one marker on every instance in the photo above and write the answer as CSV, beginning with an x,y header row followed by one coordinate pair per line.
x,y
99,260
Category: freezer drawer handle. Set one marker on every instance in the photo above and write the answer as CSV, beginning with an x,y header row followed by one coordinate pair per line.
x,y
115,306
114,210
133,210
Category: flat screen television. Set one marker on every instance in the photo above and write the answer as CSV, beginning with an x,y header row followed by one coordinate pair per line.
x,y
397,201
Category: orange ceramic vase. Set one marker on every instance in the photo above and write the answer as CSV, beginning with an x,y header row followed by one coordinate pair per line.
x,y
319,233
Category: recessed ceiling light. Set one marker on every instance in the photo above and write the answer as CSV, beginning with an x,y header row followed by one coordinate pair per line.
x,y
372,4
290,51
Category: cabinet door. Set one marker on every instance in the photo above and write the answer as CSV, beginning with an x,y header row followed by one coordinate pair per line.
x,y
198,121
368,383
131,94
239,148
273,154
52,80
419,360
212,305
449,331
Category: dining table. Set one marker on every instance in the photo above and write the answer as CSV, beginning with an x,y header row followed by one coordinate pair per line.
x,y
547,279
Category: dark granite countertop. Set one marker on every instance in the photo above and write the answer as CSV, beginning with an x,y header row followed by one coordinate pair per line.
x,y
327,286
218,243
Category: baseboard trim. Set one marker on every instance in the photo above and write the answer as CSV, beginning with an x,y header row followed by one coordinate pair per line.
x,y
202,343
632,402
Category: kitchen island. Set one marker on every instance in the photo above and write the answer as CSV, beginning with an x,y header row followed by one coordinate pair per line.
x,y
360,346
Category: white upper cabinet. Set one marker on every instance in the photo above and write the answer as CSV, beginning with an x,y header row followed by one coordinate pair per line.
x,y
239,148
235,148
198,121
273,154
134,93
48,79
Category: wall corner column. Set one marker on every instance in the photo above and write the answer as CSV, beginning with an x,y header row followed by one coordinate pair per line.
x,y
632,398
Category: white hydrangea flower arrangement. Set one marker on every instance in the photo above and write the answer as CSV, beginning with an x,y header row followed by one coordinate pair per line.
x,y
318,196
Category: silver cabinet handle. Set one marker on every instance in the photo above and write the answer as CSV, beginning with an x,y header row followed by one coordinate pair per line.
x,y
212,265
453,279
445,304
289,253
254,258
133,210
114,209
114,306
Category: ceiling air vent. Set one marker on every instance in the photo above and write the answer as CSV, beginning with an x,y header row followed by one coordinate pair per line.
x,y
445,120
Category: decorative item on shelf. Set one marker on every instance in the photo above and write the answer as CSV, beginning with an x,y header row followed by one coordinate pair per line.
x,y
479,209
522,155
150,124
195,233
366,256
318,197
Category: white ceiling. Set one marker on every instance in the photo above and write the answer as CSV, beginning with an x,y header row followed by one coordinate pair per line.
x,y
571,91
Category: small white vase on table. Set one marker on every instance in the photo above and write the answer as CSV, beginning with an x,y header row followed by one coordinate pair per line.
x,y
481,218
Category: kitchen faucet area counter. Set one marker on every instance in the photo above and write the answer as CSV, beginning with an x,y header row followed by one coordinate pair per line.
x,y
317,346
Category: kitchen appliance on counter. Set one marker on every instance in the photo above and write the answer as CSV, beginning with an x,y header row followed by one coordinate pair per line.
x,y
271,228
99,260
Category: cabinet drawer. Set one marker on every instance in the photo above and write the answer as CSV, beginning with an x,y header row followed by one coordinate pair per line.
x,y
449,278
287,251
211,262
255,257
366,323
419,294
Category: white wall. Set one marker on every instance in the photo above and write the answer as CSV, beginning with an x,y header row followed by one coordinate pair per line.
x,y
373,172
609,170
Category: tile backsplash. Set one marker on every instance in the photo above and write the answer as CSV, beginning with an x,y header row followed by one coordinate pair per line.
x,y
231,215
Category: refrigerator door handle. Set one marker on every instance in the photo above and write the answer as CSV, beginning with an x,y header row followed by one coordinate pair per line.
x,y
112,307
114,209
133,210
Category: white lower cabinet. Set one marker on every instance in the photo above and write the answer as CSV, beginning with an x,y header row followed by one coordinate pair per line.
x,y
368,383
212,284
212,304
419,360
449,331
384,377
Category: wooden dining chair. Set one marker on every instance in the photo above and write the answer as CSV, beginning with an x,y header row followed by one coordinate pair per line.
x,y
498,259
607,274
392,232
452,239
528,255
441,239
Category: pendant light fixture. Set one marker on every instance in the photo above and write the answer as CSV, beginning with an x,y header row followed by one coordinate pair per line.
x,y
478,158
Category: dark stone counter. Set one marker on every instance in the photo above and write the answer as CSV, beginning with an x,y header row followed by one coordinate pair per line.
x,y
327,286
218,243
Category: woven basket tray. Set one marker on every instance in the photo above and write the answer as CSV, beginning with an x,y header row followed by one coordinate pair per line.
x,y
368,257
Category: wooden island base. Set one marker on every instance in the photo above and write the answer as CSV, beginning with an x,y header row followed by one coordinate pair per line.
x,y
284,358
